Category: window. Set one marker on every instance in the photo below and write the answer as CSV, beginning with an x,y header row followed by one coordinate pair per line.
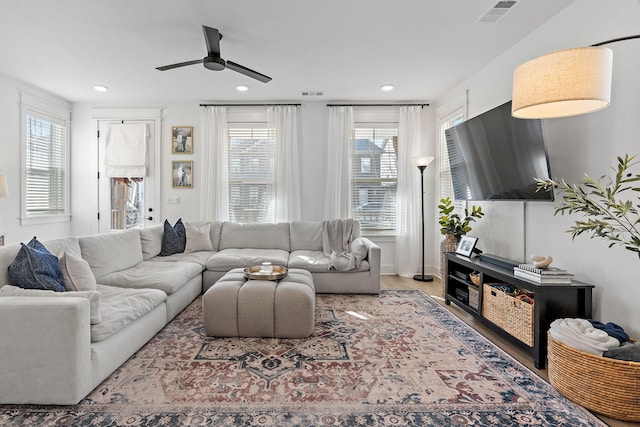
x,y
45,185
251,173
374,175
446,184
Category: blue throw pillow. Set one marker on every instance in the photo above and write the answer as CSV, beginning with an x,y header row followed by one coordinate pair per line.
x,y
174,238
36,268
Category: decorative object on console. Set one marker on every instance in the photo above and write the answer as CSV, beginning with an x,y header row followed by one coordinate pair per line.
x,y
541,261
182,139
466,245
422,163
453,227
608,215
564,83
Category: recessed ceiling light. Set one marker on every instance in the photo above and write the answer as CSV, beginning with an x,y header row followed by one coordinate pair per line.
x,y
242,88
100,88
387,87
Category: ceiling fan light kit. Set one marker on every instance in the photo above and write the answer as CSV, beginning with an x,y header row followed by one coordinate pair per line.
x,y
213,61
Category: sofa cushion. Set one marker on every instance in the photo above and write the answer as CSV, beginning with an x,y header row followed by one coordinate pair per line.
x,y
77,273
227,259
316,262
306,235
151,241
111,252
255,236
57,246
173,238
120,307
200,257
198,238
93,296
34,267
165,276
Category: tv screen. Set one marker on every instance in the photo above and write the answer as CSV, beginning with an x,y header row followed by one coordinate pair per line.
x,y
495,156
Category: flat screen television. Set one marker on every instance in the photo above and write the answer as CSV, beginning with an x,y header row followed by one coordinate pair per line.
x,y
495,156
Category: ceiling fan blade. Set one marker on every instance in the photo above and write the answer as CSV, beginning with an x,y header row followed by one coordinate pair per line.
x,y
212,38
179,64
248,72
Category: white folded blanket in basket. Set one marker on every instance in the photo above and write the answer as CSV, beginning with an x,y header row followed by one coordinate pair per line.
x,y
581,335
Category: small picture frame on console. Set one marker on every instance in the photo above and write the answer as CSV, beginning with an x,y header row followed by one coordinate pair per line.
x,y
466,245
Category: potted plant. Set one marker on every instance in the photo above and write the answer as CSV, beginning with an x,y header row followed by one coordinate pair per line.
x,y
608,214
452,226
452,223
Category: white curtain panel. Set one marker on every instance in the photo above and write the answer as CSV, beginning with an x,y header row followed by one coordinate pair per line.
x,y
408,228
338,180
214,165
284,120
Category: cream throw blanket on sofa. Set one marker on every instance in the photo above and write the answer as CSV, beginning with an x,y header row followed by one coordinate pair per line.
x,y
337,235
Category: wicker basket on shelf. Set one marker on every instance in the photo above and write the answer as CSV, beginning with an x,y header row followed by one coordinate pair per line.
x,y
607,386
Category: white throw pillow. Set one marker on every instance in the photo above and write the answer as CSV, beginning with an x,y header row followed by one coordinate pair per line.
x,y
93,296
198,238
77,273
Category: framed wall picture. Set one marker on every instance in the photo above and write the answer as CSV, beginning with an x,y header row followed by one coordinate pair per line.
x,y
182,140
182,174
466,245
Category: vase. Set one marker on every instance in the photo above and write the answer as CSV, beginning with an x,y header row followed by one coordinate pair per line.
x,y
448,244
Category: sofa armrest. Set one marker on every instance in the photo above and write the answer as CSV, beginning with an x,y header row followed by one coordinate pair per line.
x,y
373,256
45,349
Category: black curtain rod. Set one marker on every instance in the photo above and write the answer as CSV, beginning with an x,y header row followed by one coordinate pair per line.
x,y
250,105
378,105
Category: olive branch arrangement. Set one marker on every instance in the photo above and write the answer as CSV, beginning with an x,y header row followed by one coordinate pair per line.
x,y
611,205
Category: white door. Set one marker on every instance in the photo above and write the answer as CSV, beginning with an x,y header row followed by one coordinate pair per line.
x,y
126,202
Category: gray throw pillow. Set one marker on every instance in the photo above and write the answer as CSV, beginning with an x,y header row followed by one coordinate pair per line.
x,y
34,267
77,273
198,238
174,238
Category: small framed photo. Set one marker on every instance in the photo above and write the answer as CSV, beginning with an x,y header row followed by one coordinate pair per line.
x,y
182,174
466,245
182,140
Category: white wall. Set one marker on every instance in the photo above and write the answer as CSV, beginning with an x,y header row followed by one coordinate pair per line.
x,y
313,153
585,144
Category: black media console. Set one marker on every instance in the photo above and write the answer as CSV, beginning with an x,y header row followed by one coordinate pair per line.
x,y
551,301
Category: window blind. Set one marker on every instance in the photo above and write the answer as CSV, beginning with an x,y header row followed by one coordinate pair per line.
x,y
374,172
446,183
251,173
45,166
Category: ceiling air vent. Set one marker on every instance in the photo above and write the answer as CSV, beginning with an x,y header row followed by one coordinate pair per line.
x,y
312,93
497,11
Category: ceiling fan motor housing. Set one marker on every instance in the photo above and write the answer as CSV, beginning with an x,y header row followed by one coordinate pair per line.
x,y
212,63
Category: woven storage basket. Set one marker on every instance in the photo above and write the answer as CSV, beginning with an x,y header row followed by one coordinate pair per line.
x,y
607,386
474,296
509,313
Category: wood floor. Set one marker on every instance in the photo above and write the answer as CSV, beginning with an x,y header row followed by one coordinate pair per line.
x,y
435,290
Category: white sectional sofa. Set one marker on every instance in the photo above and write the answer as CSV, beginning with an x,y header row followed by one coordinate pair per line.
x,y
52,353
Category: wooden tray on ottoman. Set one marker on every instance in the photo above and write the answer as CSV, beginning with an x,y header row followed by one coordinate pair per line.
x,y
255,273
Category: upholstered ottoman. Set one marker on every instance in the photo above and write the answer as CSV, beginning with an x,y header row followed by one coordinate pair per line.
x,y
237,307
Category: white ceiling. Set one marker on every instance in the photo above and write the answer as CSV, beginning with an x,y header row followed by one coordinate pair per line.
x,y
345,48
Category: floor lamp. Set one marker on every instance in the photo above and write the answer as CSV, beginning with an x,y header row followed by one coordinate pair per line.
x,y
422,163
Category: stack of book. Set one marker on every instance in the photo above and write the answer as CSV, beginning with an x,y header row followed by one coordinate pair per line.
x,y
547,275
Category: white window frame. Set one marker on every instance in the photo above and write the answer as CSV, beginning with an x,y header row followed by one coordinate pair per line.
x,y
372,230
55,113
270,212
445,122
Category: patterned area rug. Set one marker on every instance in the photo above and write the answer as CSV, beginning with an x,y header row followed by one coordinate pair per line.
x,y
395,359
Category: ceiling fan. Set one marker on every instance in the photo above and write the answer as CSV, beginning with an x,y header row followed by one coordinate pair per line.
x,y
213,61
